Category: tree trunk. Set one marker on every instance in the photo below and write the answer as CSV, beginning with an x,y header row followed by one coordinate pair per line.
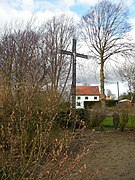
x,y
102,85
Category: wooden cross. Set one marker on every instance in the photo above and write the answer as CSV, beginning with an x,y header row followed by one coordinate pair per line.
x,y
74,54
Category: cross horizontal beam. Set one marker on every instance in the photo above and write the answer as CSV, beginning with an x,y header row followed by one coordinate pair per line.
x,y
66,52
77,54
82,56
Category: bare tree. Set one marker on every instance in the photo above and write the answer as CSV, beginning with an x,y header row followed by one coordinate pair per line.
x,y
108,92
127,74
104,30
18,55
31,56
57,34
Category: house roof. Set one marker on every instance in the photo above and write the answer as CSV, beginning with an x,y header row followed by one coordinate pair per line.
x,y
87,90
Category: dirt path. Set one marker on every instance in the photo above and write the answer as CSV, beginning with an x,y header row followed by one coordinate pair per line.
x,y
111,156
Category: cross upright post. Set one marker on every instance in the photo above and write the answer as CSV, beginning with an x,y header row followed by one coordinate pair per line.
x,y
74,54
73,88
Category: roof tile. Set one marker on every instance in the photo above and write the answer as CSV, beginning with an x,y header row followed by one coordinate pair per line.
x,y
87,90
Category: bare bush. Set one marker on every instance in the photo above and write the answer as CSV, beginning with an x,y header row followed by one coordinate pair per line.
x,y
123,119
95,116
32,145
32,85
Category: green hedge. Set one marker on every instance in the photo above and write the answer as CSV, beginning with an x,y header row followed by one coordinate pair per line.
x,y
111,103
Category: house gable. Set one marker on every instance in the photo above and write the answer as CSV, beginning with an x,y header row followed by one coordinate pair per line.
x,y
86,93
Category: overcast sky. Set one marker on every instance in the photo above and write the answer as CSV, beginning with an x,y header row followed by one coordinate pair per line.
x,y
44,9
12,10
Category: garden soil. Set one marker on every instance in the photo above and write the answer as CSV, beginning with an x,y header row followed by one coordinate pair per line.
x,y
106,155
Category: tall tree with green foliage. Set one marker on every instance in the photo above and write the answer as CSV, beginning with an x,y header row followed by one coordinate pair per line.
x,y
104,29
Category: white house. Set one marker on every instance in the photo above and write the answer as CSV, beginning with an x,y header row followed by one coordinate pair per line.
x,y
86,93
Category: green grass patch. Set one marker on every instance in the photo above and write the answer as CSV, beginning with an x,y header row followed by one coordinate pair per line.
x,y
108,122
131,122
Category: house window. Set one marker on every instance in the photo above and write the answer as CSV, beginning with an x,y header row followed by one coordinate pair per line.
x,y
86,97
78,97
78,104
95,97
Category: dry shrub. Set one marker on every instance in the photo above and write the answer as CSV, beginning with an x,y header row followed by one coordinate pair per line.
x,y
65,156
95,116
123,118
116,119
32,146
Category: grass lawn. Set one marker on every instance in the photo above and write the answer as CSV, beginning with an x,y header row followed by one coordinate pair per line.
x,y
108,122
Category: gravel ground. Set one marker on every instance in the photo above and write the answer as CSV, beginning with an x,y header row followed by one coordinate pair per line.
x,y
111,156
